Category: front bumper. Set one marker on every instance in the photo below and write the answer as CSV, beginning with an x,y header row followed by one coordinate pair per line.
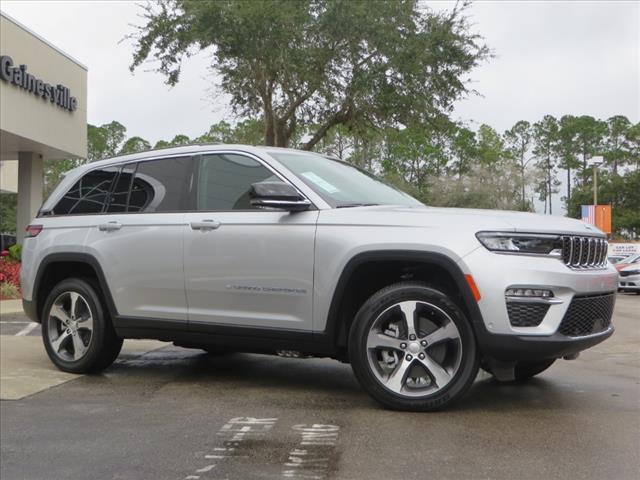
x,y
630,283
500,339
513,348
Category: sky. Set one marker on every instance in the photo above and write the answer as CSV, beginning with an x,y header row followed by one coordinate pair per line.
x,y
553,57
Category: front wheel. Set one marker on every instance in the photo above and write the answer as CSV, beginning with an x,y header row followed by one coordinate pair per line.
x,y
412,348
77,335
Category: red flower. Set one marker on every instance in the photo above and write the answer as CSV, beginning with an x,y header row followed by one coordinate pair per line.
x,y
10,272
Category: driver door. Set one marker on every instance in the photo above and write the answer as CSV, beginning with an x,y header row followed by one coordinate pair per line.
x,y
244,266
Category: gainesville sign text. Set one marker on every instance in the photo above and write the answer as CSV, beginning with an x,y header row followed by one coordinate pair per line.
x,y
58,94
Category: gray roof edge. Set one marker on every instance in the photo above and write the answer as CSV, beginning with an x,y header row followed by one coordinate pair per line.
x,y
43,40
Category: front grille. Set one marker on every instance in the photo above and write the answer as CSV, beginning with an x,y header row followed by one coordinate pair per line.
x,y
587,315
584,252
528,314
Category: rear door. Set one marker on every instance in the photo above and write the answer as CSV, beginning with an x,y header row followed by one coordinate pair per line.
x,y
245,266
138,239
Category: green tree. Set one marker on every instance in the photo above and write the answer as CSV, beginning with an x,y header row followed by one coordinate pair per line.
x,y
490,147
616,148
546,134
249,131
179,140
567,147
8,210
589,140
464,149
221,132
338,141
135,145
623,193
518,144
161,144
632,138
105,141
320,63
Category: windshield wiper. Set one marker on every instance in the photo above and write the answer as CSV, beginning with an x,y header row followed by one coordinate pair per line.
x,y
349,205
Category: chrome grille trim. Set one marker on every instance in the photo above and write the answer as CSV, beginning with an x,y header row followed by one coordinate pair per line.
x,y
584,252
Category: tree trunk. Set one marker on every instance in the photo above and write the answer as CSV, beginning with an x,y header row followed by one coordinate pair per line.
x,y
523,168
549,185
568,184
320,133
281,137
269,127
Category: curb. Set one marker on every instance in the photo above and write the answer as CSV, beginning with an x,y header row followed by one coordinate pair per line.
x,y
10,306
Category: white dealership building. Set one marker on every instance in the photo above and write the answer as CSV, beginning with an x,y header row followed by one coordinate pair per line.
x,y
43,113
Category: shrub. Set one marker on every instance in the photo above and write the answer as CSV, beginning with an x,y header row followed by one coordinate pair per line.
x,y
15,252
9,291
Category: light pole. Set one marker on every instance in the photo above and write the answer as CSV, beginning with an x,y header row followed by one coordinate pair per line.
x,y
595,163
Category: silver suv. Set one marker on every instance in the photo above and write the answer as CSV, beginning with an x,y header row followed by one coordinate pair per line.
x,y
236,248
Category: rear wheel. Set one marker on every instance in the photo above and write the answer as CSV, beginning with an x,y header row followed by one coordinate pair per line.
x,y
77,335
412,348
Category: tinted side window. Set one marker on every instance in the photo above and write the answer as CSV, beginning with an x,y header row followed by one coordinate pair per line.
x,y
162,186
224,181
89,194
120,193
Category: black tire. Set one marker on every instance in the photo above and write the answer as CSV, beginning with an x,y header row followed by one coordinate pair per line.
x,y
103,346
358,352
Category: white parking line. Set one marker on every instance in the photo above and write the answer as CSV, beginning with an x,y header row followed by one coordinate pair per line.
x,y
27,330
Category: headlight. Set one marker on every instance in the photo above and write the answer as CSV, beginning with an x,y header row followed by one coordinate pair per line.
x,y
631,272
525,243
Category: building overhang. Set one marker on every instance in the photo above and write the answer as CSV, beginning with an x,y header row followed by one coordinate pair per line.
x,y
11,144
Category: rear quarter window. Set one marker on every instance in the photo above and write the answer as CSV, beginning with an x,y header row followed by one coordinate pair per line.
x,y
89,194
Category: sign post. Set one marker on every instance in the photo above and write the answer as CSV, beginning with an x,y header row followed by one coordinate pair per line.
x,y
595,162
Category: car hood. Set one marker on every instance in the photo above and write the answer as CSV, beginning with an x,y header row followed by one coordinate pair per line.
x,y
476,219
629,267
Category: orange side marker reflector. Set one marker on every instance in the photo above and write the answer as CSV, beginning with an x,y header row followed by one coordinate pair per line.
x,y
473,287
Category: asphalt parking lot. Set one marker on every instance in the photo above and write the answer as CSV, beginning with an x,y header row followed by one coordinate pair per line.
x,y
164,412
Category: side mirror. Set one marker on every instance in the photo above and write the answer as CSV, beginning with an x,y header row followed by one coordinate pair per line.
x,y
277,195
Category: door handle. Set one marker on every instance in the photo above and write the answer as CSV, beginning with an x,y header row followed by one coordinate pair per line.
x,y
207,224
110,226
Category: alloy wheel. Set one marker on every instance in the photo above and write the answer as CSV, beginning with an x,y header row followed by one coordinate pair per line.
x,y
70,326
414,348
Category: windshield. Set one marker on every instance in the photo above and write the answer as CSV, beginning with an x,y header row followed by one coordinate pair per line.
x,y
340,184
631,259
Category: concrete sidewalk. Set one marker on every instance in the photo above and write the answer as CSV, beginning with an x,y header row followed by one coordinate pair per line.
x,y
10,306
25,368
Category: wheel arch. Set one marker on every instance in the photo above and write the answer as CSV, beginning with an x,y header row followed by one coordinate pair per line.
x,y
57,266
342,309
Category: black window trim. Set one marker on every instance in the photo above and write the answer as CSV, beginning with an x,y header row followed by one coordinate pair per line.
x,y
195,156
